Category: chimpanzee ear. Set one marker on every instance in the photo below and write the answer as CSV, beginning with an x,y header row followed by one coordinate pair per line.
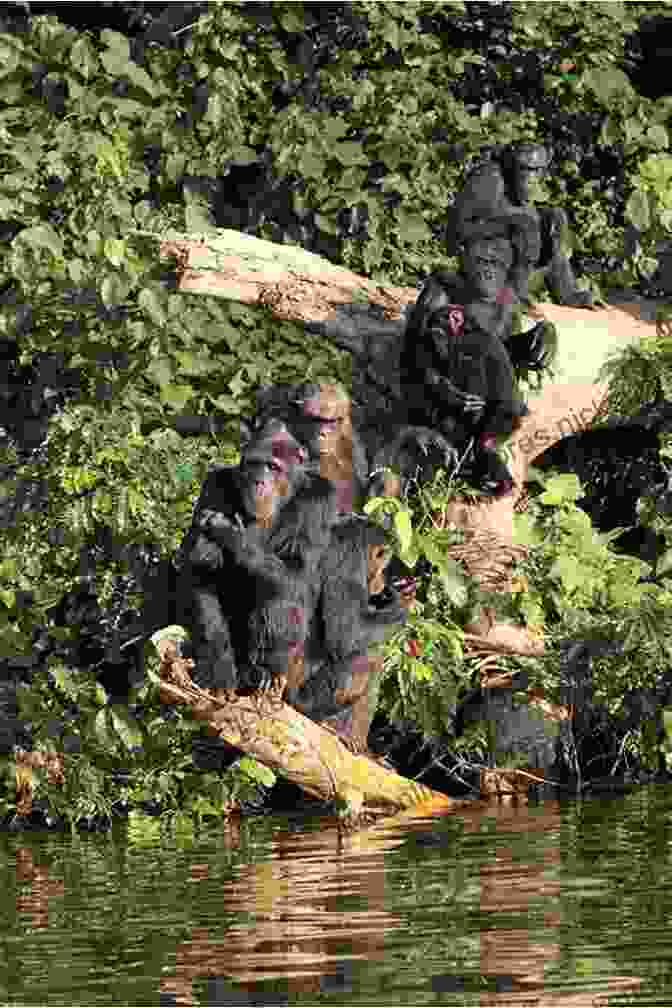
x,y
245,433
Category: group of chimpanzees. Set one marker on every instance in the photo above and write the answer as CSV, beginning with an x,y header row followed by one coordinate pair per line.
x,y
283,586
283,582
459,352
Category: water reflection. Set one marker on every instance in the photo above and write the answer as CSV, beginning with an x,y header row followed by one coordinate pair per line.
x,y
492,906
318,905
39,889
515,958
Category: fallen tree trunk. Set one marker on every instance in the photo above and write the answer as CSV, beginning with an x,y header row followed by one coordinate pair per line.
x,y
280,737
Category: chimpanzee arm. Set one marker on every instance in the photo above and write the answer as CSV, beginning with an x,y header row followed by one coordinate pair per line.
x,y
560,278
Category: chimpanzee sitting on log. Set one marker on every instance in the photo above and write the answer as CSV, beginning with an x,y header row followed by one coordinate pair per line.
x,y
256,537
455,368
281,598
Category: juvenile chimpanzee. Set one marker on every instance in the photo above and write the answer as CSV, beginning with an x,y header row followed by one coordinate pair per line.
x,y
412,454
457,374
356,610
250,561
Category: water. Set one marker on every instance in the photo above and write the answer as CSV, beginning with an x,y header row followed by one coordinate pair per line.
x,y
567,905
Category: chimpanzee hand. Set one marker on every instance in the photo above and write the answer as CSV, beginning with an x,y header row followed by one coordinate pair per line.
x,y
222,530
579,299
426,438
471,405
533,349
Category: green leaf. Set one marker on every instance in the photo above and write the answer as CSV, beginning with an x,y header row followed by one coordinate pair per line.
x,y
198,364
76,271
114,290
139,76
561,488
227,404
103,731
333,129
83,57
257,771
607,83
667,723
326,224
217,106
114,250
404,529
126,727
349,152
176,396
454,584
42,236
569,570
149,303
611,131
658,136
637,210
664,565
9,59
412,227
118,54
310,164
184,472
175,163
63,678
8,598
391,33
161,371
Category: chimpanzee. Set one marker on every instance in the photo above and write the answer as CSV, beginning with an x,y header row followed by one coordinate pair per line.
x,y
413,454
500,186
356,609
456,370
253,548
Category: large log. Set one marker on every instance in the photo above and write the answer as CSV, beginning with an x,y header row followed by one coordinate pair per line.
x,y
280,737
350,309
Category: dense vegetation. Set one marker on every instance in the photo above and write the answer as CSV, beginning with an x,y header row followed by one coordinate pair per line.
x,y
295,122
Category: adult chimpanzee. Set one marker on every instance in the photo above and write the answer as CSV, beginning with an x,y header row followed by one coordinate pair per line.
x,y
456,371
301,615
251,555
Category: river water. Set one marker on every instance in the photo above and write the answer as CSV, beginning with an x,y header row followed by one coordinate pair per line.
x,y
550,904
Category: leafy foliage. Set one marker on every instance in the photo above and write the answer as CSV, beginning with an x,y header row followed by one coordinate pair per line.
x,y
305,120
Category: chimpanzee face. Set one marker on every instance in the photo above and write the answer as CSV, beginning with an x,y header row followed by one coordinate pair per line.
x,y
264,486
271,463
486,264
324,423
529,164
